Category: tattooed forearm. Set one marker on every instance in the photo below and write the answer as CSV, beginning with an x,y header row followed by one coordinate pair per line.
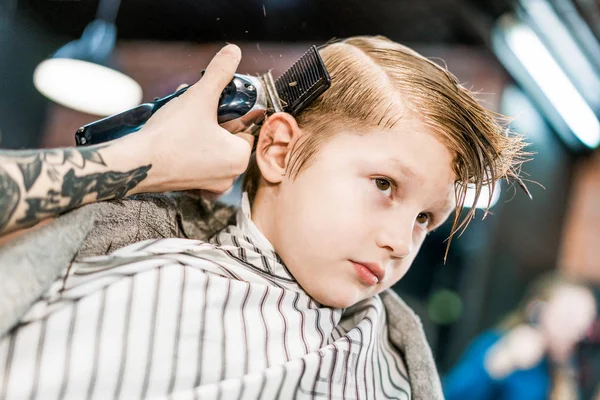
x,y
38,184
107,185
9,197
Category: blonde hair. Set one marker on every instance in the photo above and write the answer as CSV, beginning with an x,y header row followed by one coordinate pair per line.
x,y
374,83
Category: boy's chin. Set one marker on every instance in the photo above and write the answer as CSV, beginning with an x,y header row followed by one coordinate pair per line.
x,y
338,298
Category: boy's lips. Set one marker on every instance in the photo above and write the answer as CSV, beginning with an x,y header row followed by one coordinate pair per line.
x,y
373,270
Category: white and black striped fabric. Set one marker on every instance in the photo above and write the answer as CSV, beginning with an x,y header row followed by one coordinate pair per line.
x,y
182,319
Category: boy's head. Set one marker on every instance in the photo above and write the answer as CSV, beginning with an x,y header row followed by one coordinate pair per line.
x,y
347,191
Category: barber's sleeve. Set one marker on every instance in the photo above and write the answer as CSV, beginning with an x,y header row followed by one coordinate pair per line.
x,y
128,221
30,263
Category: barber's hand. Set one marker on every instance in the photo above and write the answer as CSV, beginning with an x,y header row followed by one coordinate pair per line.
x,y
521,348
188,148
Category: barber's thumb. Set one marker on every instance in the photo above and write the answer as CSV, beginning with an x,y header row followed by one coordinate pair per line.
x,y
220,70
231,50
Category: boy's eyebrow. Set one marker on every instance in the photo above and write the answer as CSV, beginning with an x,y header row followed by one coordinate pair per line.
x,y
446,204
402,168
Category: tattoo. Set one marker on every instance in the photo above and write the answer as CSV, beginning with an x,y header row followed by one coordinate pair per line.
x,y
69,190
107,185
32,168
30,172
9,197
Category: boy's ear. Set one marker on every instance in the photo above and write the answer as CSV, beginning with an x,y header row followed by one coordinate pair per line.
x,y
277,135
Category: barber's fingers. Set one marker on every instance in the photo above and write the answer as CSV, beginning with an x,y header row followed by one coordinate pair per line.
x,y
249,138
219,73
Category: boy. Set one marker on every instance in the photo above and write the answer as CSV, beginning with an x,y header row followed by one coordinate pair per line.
x,y
291,300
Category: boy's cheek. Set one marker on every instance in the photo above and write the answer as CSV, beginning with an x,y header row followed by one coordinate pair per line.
x,y
399,269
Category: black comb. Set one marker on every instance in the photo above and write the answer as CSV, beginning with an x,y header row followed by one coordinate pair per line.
x,y
303,82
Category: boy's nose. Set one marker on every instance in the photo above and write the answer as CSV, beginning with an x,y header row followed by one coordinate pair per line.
x,y
396,237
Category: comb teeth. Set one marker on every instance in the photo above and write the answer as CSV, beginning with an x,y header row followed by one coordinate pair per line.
x,y
303,82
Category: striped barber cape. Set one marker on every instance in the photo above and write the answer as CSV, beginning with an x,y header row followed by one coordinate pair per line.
x,y
183,319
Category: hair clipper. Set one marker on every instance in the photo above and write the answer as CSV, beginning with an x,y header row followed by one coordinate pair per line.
x,y
243,104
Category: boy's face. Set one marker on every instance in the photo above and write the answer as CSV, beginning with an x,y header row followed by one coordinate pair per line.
x,y
351,223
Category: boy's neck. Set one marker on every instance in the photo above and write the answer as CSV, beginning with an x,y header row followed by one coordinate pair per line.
x,y
262,212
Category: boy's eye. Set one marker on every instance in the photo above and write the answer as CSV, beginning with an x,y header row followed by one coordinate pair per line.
x,y
383,184
423,218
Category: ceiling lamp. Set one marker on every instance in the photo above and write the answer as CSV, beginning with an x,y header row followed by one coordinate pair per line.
x,y
571,113
78,74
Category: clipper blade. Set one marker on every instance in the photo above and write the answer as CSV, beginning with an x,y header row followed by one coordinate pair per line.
x,y
303,82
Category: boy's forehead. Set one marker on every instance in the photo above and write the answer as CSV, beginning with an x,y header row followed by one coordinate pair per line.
x,y
414,154
447,202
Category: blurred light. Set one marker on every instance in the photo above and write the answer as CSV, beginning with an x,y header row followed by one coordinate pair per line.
x,y
78,76
444,307
564,48
86,87
484,197
544,70
549,78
